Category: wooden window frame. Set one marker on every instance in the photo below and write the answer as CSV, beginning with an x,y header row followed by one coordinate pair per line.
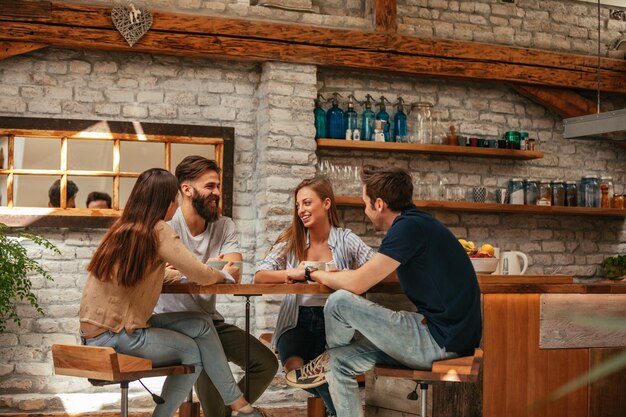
x,y
116,131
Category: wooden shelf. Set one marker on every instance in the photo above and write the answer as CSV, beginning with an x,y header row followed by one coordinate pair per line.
x,y
496,208
429,149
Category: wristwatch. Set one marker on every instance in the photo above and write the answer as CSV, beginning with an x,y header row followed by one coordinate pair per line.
x,y
307,273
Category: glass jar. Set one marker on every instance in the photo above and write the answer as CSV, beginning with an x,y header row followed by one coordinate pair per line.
x,y
558,193
516,191
545,194
609,182
617,202
422,123
523,140
531,191
513,139
439,134
571,194
591,189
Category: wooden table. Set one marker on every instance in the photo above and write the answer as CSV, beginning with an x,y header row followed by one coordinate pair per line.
x,y
516,370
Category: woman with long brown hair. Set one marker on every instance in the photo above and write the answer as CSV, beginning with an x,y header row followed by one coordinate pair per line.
x,y
125,278
314,235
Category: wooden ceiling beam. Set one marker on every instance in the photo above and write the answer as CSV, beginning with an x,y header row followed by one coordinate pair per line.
x,y
386,12
69,25
8,49
565,103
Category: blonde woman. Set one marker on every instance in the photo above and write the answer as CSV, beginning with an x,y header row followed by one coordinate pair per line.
x,y
314,235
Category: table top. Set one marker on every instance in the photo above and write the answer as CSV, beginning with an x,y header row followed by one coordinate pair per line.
x,y
489,284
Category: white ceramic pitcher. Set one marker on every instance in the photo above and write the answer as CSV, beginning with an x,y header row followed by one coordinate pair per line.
x,y
510,263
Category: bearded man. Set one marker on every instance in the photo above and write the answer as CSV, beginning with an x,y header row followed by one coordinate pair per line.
x,y
211,236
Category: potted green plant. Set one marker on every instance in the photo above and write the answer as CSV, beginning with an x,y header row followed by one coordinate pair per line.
x,y
614,267
16,268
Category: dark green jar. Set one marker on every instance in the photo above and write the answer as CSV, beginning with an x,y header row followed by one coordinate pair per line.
x,y
513,139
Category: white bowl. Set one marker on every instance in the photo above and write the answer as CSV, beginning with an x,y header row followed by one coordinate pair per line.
x,y
484,265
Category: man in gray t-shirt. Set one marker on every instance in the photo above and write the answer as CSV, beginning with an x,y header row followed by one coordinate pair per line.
x,y
209,236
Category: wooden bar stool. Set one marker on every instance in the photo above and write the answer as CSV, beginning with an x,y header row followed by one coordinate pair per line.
x,y
102,366
456,370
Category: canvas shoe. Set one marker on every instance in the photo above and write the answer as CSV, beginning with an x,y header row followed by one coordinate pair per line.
x,y
310,375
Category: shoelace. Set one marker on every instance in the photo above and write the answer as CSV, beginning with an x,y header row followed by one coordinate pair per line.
x,y
312,368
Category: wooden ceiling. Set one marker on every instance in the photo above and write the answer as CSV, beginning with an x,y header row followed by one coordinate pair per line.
x,y
540,75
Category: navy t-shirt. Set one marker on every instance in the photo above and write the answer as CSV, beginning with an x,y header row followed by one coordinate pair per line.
x,y
437,276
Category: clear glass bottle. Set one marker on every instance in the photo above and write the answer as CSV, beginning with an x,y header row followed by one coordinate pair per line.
x,y
591,190
320,117
439,134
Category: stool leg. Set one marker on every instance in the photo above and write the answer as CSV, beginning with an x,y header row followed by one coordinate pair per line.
x,y
124,399
315,407
189,408
423,395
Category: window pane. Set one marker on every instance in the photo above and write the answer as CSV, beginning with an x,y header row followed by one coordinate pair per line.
x,y
139,156
87,185
181,150
90,155
31,191
126,186
3,190
37,153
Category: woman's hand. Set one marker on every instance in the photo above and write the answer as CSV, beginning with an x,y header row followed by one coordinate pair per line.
x,y
295,274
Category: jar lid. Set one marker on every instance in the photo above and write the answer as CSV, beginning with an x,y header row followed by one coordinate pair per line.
x,y
607,178
570,182
523,134
421,104
590,177
516,179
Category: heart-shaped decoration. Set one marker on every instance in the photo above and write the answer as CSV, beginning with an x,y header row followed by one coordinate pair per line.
x,y
131,22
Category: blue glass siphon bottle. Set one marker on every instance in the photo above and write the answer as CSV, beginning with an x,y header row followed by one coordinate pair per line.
x,y
350,122
383,115
399,122
335,119
320,117
367,119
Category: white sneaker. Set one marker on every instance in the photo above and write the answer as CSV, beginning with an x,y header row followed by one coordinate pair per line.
x,y
310,375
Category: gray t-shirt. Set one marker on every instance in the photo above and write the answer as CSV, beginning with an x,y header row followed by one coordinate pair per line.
x,y
219,237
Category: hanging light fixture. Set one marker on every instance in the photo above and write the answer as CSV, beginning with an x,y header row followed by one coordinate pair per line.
x,y
609,125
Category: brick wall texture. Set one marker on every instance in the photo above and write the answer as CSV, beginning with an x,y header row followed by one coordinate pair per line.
x,y
270,106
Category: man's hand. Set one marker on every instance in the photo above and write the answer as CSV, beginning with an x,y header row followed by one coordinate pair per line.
x,y
233,271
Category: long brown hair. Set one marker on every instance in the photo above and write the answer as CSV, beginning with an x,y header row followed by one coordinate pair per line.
x,y
295,234
129,247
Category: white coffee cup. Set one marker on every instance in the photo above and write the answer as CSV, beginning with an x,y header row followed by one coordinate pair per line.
x,y
315,265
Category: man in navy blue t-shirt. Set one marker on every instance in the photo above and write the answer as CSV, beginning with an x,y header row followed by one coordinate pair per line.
x,y
435,274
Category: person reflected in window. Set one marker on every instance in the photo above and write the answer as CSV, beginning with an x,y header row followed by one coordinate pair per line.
x,y
98,200
54,194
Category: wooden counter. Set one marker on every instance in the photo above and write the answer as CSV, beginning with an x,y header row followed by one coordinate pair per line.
x,y
518,372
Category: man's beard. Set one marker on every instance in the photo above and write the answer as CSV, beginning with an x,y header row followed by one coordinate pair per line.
x,y
203,206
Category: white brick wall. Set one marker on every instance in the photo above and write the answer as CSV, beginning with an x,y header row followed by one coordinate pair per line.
x,y
270,107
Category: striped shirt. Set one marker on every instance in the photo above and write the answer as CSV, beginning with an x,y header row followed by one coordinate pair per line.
x,y
348,251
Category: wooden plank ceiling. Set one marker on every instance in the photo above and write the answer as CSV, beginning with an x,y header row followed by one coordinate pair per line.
x,y
29,25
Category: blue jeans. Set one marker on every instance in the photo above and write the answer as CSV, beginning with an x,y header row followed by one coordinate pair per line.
x,y
389,337
186,337
307,341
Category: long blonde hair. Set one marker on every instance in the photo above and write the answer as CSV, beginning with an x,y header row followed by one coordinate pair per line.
x,y
295,234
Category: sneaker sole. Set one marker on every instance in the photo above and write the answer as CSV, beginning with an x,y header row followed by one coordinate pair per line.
x,y
305,386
